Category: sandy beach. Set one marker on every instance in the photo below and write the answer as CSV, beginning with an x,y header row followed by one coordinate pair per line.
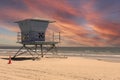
x,y
71,68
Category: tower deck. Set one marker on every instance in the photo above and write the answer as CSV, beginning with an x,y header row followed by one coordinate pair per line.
x,y
39,43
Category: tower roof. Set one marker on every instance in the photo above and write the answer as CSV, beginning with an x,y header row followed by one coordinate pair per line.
x,y
37,20
38,25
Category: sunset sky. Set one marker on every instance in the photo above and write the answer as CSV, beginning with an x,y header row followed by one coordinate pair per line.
x,y
81,22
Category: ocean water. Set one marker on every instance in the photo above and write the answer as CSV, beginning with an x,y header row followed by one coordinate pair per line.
x,y
75,50
111,54
89,50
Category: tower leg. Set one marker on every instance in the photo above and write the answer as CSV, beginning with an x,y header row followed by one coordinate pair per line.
x,y
18,52
52,48
55,49
41,47
36,50
30,52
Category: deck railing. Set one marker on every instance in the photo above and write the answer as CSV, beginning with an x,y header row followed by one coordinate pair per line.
x,y
54,37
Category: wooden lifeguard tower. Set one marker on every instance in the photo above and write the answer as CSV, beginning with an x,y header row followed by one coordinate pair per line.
x,y
33,38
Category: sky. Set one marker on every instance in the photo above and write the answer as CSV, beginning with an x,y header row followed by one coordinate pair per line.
x,y
94,23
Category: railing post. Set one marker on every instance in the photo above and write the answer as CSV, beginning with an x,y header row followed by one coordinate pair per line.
x,y
59,37
53,36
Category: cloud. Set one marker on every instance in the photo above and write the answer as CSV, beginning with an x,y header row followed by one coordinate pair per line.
x,y
104,21
91,23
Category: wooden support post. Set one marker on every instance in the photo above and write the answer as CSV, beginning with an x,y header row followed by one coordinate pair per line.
x,y
35,47
41,46
18,51
36,52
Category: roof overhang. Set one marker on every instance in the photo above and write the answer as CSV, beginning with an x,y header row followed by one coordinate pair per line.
x,y
37,20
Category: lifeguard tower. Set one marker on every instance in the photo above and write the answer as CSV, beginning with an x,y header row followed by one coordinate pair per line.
x,y
33,38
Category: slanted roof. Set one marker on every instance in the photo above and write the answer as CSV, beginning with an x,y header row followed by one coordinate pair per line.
x,y
39,20
37,25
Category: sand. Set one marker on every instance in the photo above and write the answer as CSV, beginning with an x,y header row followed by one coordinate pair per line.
x,y
72,68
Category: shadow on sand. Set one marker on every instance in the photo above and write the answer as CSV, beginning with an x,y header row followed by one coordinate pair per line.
x,y
19,58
